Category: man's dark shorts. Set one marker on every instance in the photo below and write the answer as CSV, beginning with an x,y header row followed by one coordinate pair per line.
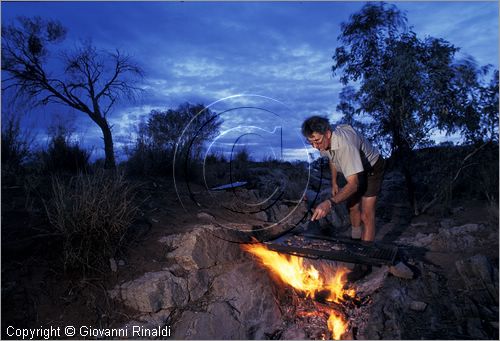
x,y
374,178
370,182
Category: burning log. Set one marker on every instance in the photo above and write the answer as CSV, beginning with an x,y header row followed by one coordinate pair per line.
x,y
325,301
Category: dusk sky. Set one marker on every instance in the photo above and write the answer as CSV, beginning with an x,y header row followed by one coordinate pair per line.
x,y
274,56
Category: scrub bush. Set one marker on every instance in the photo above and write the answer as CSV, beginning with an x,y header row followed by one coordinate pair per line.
x,y
91,214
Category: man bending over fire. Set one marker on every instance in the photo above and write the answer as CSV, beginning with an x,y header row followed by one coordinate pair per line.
x,y
351,154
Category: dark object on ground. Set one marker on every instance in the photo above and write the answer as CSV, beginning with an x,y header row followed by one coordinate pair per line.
x,y
230,186
340,249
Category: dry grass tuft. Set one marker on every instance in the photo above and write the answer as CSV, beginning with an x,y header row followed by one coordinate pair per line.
x,y
92,214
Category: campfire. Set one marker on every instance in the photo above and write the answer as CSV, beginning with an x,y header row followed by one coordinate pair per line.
x,y
322,293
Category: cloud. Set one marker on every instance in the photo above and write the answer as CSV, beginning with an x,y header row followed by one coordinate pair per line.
x,y
472,26
197,67
201,52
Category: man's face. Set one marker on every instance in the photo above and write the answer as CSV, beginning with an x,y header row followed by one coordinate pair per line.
x,y
320,141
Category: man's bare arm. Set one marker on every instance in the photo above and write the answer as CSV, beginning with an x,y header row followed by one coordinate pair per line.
x,y
347,190
333,170
323,208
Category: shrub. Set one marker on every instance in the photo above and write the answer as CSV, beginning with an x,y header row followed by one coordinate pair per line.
x,y
15,142
146,160
214,169
65,156
242,155
92,214
15,150
187,127
239,164
215,156
445,174
179,133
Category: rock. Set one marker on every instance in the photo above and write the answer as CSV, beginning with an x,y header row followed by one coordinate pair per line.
x,y
477,274
218,322
200,249
164,240
253,195
271,181
294,333
418,305
151,321
325,194
475,328
372,328
216,290
235,308
474,271
339,216
152,292
112,265
310,195
458,230
252,298
260,215
401,270
420,240
199,282
446,223
276,213
451,238
392,330
372,282
419,224
204,215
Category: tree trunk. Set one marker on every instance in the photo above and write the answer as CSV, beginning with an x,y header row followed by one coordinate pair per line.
x,y
109,162
404,156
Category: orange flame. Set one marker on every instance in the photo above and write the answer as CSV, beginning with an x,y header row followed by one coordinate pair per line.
x,y
336,286
337,326
291,270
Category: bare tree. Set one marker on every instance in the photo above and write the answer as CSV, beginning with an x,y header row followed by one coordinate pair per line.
x,y
92,81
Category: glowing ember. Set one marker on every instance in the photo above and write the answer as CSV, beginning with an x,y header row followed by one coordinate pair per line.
x,y
291,269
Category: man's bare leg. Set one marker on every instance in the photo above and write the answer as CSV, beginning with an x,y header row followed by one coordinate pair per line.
x,y
355,217
368,217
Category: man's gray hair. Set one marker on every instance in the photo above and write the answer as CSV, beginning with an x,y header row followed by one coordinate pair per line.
x,y
315,124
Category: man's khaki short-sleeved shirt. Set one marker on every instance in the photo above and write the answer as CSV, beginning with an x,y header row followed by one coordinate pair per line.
x,y
350,152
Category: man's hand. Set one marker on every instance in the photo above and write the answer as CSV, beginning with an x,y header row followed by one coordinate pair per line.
x,y
321,210
335,189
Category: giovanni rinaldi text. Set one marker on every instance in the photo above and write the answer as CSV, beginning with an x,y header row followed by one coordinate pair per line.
x,y
46,333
